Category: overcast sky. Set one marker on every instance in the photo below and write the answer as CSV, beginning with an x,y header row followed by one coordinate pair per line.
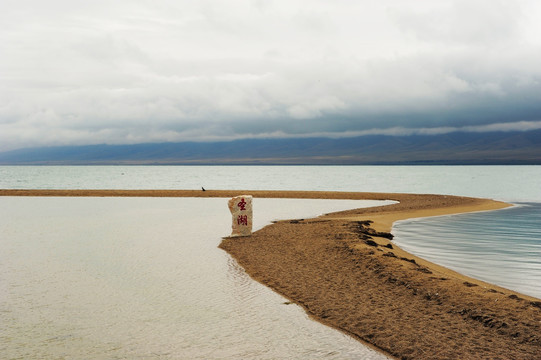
x,y
117,72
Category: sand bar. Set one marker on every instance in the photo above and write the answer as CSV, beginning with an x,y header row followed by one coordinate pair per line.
x,y
347,274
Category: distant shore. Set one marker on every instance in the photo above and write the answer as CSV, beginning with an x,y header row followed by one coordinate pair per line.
x,y
343,269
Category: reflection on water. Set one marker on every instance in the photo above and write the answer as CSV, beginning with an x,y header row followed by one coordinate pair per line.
x,y
501,247
142,278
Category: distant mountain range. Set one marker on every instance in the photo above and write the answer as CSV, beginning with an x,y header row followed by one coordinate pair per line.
x,y
452,148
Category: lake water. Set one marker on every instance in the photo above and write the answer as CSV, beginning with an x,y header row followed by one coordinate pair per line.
x,y
130,278
509,183
501,247
143,278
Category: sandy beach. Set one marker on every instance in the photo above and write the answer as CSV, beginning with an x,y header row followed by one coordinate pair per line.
x,y
345,271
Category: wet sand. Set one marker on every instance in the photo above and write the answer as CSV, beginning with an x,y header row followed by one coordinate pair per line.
x,y
346,273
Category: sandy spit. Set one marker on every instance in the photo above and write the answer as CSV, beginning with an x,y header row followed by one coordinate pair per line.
x,y
346,273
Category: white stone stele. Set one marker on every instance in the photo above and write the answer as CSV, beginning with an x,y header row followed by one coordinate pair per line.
x,y
241,212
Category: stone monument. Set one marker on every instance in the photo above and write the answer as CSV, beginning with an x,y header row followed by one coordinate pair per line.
x,y
241,211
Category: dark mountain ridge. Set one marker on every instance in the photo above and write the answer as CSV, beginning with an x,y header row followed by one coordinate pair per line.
x,y
451,148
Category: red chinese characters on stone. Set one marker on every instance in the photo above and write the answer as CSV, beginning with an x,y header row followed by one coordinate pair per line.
x,y
242,220
242,204
242,214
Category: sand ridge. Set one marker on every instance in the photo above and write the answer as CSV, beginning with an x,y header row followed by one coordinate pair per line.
x,y
369,288
380,294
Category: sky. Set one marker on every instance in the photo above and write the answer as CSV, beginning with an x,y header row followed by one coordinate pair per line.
x,y
124,72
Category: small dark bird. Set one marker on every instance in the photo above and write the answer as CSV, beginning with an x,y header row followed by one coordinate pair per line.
x,y
202,188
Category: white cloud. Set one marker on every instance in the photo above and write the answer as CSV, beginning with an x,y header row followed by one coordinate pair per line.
x,y
463,23
119,72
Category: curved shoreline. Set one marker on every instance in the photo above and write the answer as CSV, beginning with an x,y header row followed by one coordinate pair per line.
x,y
401,304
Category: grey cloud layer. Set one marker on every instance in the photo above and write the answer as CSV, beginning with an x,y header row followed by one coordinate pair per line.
x,y
208,70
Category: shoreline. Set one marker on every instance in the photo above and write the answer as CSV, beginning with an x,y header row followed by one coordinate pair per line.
x,y
346,276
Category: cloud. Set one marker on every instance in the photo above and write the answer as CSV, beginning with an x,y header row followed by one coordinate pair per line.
x,y
463,23
102,72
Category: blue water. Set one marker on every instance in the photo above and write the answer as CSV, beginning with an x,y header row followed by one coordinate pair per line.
x,y
501,247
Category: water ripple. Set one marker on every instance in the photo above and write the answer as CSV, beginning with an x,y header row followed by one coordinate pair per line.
x,y
501,247
141,278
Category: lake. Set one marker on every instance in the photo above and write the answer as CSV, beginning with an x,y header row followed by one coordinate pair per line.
x,y
135,278
143,278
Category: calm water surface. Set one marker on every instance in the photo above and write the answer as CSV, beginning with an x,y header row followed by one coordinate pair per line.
x,y
509,183
115,278
501,247
142,278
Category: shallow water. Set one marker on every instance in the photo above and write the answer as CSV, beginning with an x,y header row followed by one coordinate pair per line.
x,y
142,278
478,246
501,247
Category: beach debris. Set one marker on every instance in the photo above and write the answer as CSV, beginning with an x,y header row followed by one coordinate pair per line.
x,y
241,212
409,260
371,243
424,270
366,232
